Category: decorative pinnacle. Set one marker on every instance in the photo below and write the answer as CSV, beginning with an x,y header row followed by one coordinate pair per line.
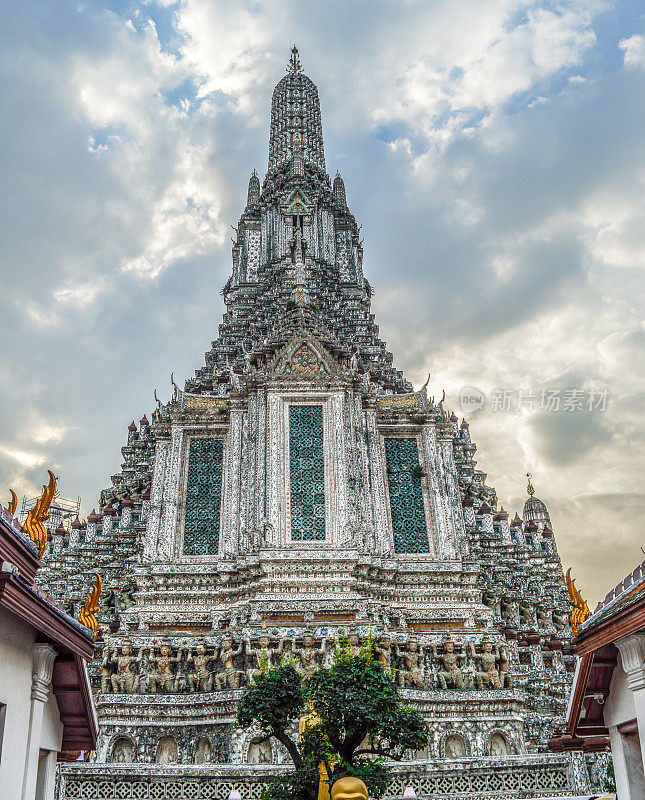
x,y
580,611
294,62
529,487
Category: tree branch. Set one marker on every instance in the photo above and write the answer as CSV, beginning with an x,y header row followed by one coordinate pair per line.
x,y
291,747
352,741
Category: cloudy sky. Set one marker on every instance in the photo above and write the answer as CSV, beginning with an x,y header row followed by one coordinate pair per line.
x,y
493,151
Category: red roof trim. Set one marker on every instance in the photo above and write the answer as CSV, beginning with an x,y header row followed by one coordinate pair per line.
x,y
17,551
72,692
73,642
579,693
607,631
24,602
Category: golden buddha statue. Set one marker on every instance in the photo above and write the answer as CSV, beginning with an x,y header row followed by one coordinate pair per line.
x,y
344,788
349,789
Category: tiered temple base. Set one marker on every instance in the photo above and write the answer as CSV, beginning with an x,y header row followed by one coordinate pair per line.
x,y
510,778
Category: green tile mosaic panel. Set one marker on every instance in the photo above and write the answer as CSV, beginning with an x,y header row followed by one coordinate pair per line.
x,y
406,497
203,497
307,475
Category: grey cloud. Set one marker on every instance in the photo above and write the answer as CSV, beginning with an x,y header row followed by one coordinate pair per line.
x,y
601,537
569,437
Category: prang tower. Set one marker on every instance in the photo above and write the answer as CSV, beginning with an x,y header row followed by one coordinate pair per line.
x,y
298,488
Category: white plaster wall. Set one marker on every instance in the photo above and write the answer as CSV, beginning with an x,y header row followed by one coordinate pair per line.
x,y
619,706
16,660
626,751
16,665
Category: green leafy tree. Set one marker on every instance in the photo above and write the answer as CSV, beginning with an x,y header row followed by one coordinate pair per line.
x,y
275,700
357,721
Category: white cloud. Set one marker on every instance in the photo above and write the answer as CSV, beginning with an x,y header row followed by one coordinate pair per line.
x,y
43,432
634,49
40,316
465,62
25,459
79,294
226,47
615,226
185,221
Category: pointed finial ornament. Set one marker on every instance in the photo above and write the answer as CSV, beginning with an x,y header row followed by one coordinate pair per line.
x,y
87,614
580,608
33,524
529,487
294,62
13,503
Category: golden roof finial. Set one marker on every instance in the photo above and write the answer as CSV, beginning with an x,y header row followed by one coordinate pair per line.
x,y
294,62
529,487
33,525
87,615
13,503
580,608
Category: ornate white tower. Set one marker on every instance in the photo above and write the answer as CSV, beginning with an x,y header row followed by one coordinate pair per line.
x,y
299,487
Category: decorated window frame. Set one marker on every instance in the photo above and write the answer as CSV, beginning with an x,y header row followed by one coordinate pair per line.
x,y
189,436
279,479
394,432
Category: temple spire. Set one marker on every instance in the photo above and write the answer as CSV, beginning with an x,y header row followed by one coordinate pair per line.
x,y
295,120
294,65
339,190
253,194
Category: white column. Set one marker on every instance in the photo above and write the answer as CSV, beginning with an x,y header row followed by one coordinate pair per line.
x,y
155,514
505,530
46,782
166,544
233,481
469,516
126,518
44,655
632,652
537,660
487,522
620,765
449,499
379,481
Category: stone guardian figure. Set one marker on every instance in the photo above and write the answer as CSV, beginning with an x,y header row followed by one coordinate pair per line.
x,y
229,676
412,675
307,656
451,674
200,679
124,679
162,677
488,675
